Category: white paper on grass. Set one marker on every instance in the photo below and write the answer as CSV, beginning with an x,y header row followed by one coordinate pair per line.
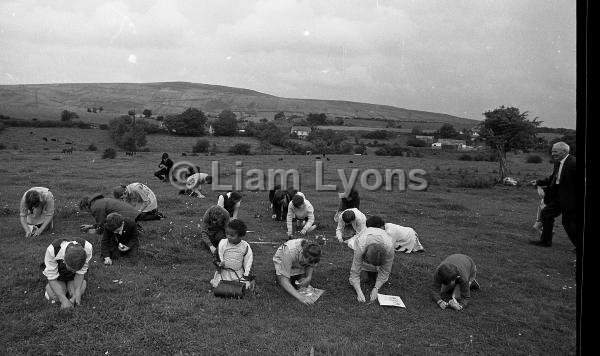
x,y
311,292
390,300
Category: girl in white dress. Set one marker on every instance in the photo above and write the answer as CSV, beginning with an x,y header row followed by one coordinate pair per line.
x,y
235,256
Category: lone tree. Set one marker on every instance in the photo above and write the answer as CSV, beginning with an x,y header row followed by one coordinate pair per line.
x,y
226,124
189,123
447,131
505,129
147,112
67,115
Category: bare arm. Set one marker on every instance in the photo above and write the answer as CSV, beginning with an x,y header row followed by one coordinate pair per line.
x,y
285,283
77,284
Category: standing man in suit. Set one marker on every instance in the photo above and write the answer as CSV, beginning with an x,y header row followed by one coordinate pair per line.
x,y
560,196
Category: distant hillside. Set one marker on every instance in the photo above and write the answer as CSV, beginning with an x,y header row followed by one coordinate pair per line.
x,y
46,101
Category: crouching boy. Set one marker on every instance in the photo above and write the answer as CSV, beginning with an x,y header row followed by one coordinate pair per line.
x,y
120,239
454,276
66,262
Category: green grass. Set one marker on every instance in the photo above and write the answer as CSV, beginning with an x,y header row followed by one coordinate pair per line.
x,y
164,304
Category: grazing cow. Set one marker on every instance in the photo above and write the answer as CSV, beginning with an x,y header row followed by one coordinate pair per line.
x,y
183,154
317,157
328,159
45,139
350,161
68,143
280,158
52,139
68,150
130,153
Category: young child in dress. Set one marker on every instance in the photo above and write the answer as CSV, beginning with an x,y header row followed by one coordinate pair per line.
x,y
454,276
235,256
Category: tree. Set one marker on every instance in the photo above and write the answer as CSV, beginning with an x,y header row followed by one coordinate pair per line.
x,y
126,134
67,115
416,131
147,112
317,119
447,131
189,123
226,124
505,129
131,113
279,116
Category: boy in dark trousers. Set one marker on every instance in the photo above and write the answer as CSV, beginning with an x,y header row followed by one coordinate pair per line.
x,y
165,166
120,239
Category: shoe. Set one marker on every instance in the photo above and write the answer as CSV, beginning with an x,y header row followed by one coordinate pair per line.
x,y
541,243
474,285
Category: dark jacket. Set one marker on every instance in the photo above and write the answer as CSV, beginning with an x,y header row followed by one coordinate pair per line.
x,y
566,191
109,247
100,207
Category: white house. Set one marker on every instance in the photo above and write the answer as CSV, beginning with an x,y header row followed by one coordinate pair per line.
x,y
301,131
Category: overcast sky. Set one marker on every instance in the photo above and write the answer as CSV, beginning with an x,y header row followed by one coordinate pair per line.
x,y
456,57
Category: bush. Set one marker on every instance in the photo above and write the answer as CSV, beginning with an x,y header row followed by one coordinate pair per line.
x,y
472,181
415,142
103,127
378,134
489,157
2,146
240,149
109,153
92,147
201,146
534,159
465,157
189,123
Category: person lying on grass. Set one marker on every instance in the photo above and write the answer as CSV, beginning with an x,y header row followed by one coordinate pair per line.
x,y
36,211
454,276
352,223
141,198
234,256
280,200
100,207
194,183
66,262
212,231
294,265
373,253
120,239
231,202
405,238
302,212
351,200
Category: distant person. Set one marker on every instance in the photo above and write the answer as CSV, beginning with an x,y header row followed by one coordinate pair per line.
x,y
302,212
214,221
350,201
165,166
100,207
120,239
373,254
280,200
295,261
141,198
405,238
194,183
36,211
560,197
454,276
352,223
235,256
66,262
231,202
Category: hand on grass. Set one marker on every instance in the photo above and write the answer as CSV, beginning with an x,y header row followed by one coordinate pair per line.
x,y
123,248
360,297
373,295
442,304
107,261
455,304
303,282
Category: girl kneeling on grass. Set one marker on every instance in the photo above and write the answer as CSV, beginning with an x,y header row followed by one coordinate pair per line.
x,y
36,211
235,256
294,264
455,276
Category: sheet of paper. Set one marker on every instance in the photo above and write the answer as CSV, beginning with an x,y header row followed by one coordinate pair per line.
x,y
311,292
390,300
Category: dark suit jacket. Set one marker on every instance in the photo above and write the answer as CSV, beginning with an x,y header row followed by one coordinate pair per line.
x,y
109,246
565,192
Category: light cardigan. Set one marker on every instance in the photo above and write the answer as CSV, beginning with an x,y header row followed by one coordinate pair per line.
x,y
372,235
358,224
307,211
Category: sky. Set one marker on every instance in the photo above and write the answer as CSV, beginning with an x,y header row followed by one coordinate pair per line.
x,y
455,57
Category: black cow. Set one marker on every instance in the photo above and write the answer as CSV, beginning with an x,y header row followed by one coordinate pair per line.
x,y
45,139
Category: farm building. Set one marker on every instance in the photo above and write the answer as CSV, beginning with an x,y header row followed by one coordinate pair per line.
x,y
426,139
301,131
451,144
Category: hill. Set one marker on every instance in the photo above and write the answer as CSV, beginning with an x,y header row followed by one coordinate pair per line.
x,y
47,101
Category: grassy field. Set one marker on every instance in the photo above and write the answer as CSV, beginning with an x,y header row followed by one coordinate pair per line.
x,y
163,304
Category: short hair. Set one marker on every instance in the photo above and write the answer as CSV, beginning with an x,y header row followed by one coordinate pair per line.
x,y
75,256
447,273
236,196
32,199
375,221
208,180
119,191
165,155
562,145
297,200
238,226
374,254
84,203
311,251
348,216
113,221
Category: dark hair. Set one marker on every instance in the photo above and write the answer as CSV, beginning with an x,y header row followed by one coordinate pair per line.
x,y
297,200
348,216
165,155
84,203
208,180
75,256
32,199
447,273
113,221
353,195
119,191
238,226
375,221
235,196
311,251
374,254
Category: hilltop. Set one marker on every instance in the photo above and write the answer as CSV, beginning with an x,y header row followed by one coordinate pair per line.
x,y
47,101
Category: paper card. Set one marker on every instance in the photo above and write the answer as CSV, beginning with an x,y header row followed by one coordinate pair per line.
x,y
311,292
390,300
